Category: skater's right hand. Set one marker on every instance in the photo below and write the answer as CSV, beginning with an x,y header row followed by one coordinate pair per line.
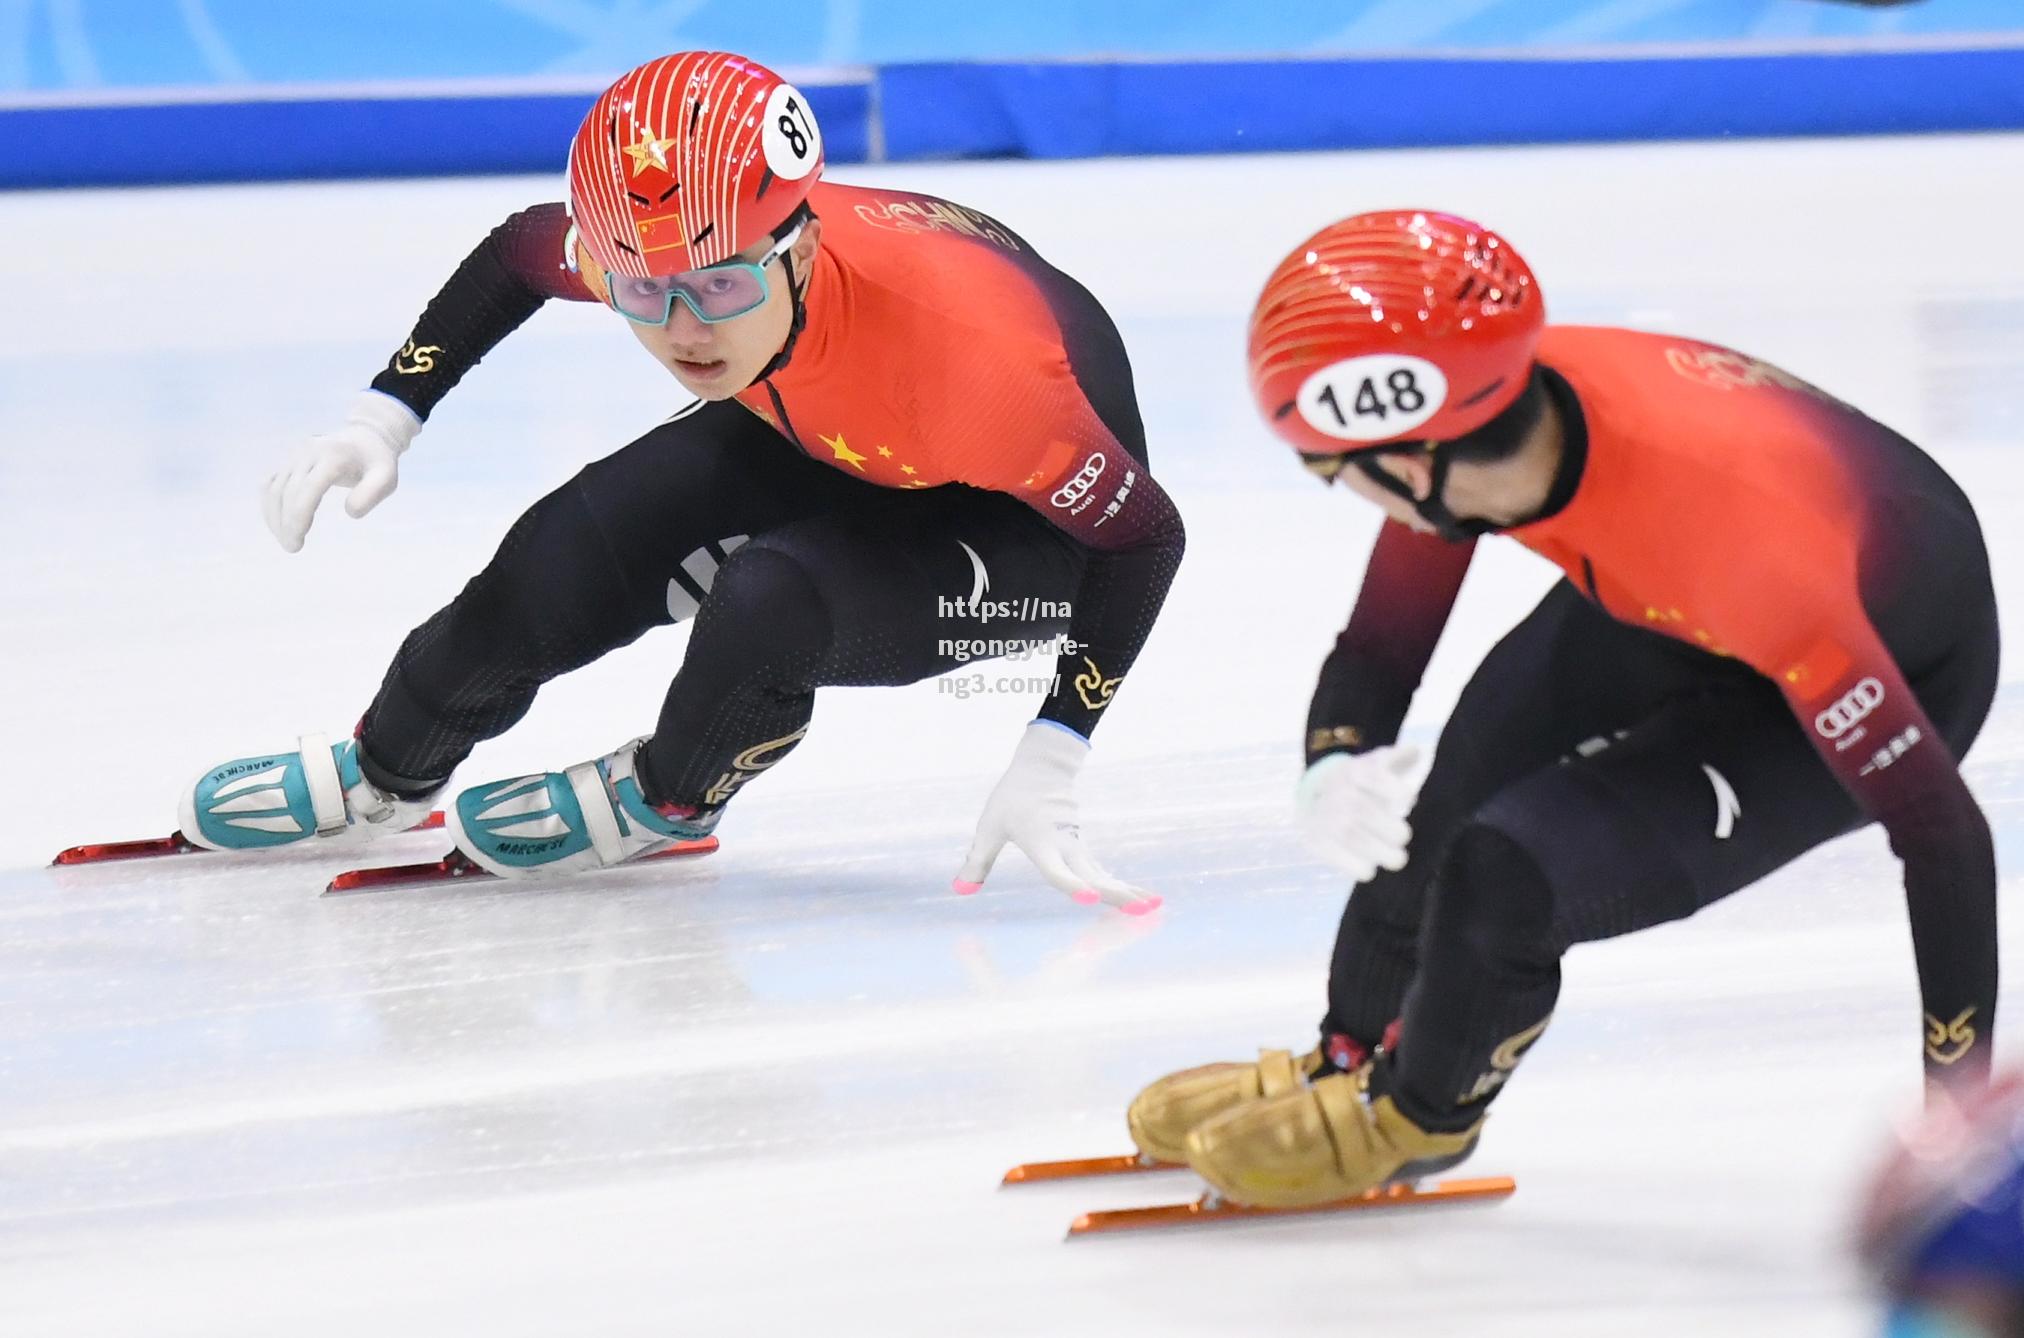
x,y
1033,807
1352,809
362,456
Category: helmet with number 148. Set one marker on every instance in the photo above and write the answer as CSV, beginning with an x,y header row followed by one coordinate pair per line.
x,y
1400,331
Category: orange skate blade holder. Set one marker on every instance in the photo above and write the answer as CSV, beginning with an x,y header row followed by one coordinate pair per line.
x,y
455,867
1210,1208
1130,1163
175,843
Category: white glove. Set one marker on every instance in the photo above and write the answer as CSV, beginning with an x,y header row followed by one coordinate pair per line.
x,y
1033,809
361,456
1352,809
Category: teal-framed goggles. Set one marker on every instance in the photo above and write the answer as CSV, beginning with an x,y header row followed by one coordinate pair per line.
x,y
720,292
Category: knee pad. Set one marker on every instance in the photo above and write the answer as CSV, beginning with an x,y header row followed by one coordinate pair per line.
x,y
1491,892
765,608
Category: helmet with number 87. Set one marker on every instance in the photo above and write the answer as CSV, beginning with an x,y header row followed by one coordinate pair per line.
x,y
687,161
1390,329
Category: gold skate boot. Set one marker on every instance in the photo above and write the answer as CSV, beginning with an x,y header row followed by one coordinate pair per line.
x,y
1161,1115
1319,1144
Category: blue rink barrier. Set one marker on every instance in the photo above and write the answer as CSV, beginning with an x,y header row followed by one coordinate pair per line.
x,y
334,136
1090,110
1060,110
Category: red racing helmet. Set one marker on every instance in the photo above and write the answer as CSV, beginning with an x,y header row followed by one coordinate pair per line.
x,y
1390,327
686,161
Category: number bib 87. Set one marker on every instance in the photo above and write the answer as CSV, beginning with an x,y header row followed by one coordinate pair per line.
x,y
788,134
1372,398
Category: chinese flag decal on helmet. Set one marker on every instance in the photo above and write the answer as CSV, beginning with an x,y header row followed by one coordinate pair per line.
x,y
689,160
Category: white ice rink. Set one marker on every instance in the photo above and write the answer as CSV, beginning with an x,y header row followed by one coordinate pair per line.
x,y
772,1092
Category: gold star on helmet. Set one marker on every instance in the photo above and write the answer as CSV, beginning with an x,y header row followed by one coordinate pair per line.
x,y
843,452
649,151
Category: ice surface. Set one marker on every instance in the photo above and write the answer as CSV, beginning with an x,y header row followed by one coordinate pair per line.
x,y
772,1091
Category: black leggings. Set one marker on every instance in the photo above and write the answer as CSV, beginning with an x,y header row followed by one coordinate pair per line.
x,y
798,576
1594,779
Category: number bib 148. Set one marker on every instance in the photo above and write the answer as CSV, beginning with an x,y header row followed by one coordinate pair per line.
x,y
1372,398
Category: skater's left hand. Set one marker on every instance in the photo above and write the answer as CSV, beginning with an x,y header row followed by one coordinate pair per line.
x,y
1352,809
1032,807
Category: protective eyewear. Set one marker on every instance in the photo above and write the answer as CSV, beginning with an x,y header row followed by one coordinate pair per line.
x,y
714,293
1328,467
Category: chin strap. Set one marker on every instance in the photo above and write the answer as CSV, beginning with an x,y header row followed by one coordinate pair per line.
x,y
1511,427
794,327
1433,508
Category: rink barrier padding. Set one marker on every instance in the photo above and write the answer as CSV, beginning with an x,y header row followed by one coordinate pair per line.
x,y
334,136
1068,109
1072,110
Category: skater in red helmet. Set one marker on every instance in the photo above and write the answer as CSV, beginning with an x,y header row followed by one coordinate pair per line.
x,y
913,440
1776,625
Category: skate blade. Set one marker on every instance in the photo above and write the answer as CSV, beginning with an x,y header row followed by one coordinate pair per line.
x,y
453,867
175,843
1209,1208
1033,1172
